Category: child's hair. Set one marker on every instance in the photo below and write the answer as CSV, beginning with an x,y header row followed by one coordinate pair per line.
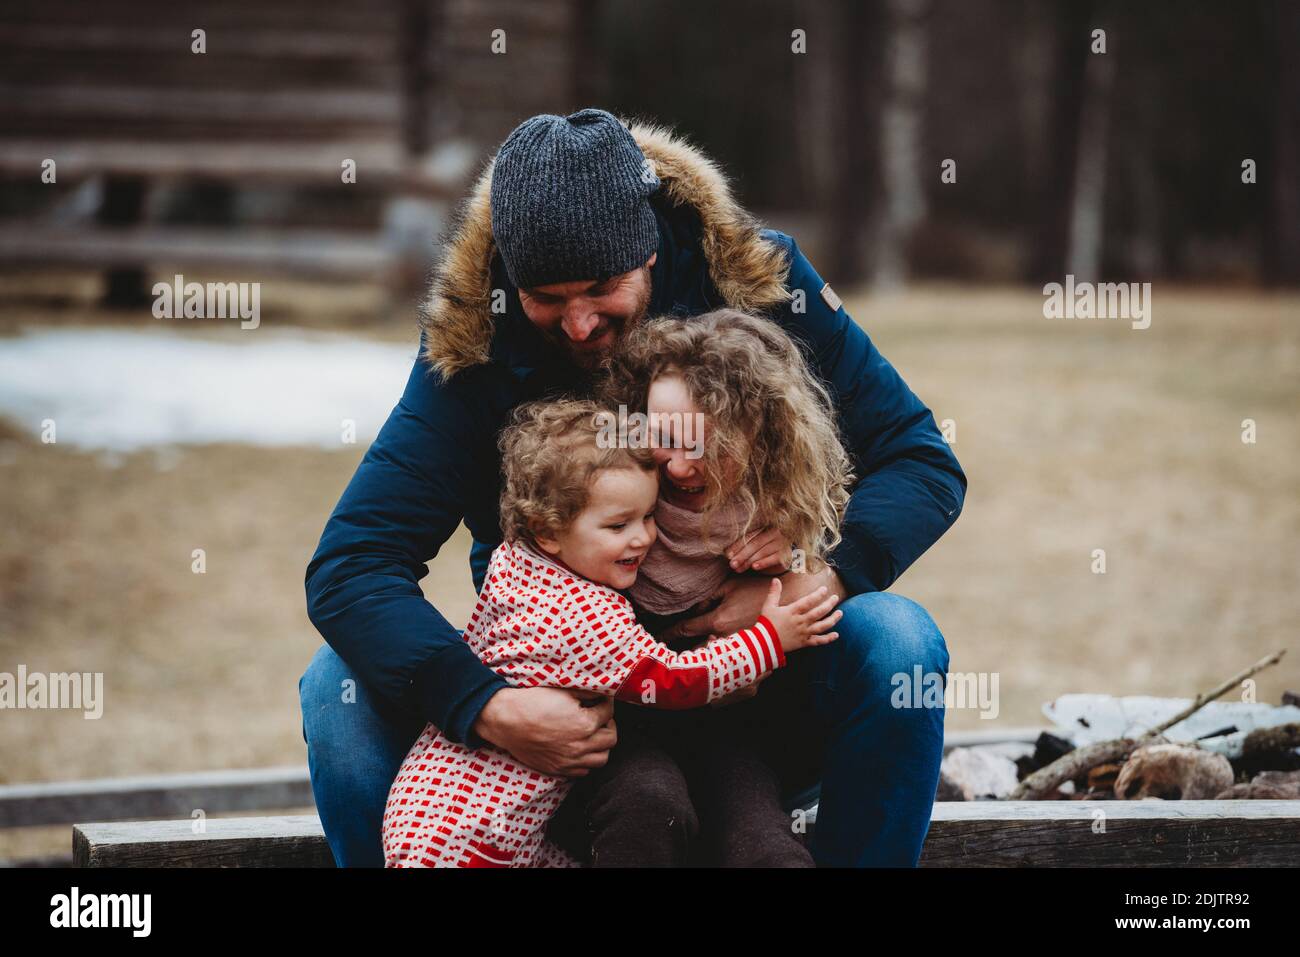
x,y
764,410
550,456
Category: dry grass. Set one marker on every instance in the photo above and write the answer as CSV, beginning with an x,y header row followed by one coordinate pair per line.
x,y
1085,434
200,670
1075,436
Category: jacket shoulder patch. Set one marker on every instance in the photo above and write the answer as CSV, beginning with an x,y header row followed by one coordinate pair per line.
x,y
829,297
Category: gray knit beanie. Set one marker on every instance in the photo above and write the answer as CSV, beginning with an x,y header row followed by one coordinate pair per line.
x,y
570,200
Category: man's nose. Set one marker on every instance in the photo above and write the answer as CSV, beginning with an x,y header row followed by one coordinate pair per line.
x,y
578,325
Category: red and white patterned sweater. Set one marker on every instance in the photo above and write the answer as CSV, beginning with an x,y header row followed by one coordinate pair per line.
x,y
538,623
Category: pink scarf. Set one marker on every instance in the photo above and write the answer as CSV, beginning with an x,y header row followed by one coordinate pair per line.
x,y
682,569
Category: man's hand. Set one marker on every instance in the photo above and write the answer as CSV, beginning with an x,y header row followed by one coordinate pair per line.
x,y
550,729
742,600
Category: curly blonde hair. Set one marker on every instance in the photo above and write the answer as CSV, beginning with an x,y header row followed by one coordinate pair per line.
x,y
766,413
550,455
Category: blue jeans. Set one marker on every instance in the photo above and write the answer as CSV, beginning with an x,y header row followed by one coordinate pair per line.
x,y
879,764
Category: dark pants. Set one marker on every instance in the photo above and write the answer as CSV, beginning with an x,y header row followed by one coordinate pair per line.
x,y
831,714
677,803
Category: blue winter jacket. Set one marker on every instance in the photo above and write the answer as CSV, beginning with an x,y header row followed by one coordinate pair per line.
x,y
435,462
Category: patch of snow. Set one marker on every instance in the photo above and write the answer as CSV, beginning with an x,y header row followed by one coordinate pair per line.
x,y
1088,718
123,390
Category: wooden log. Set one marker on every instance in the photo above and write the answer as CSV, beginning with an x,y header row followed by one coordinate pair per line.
x,y
381,164
309,252
154,796
254,789
962,834
1073,765
289,45
296,841
1136,833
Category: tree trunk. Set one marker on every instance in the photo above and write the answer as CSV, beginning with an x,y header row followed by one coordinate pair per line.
x,y
1055,193
1087,213
903,172
1281,234
856,172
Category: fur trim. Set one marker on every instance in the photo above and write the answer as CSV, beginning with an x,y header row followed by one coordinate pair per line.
x,y
748,271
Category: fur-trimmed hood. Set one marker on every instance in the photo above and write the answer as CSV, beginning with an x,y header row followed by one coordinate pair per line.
x,y
748,270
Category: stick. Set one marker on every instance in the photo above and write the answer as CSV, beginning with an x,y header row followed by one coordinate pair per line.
x,y
1203,699
1081,760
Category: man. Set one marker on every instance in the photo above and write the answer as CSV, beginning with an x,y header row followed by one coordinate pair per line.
x,y
579,229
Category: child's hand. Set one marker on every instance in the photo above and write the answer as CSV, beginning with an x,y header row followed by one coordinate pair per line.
x,y
764,551
804,623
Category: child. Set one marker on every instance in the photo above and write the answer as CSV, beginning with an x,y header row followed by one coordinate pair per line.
x,y
577,521
766,473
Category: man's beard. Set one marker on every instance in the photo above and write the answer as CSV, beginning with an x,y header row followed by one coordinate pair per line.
x,y
592,363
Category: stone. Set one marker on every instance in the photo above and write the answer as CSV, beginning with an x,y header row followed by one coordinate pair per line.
x,y
1173,772
979,772
1267,785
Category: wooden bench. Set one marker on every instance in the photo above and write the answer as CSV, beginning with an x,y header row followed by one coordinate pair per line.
x,y
962,834
285,93
175,796
154,796
226,842
1135,834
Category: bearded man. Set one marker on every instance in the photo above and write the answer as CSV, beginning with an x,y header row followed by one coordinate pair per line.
x,y
580,228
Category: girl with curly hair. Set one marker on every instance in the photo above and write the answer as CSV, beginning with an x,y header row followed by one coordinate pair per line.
x,y
754,479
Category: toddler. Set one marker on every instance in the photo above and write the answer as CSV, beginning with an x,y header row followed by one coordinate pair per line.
x,y
766,471
577,520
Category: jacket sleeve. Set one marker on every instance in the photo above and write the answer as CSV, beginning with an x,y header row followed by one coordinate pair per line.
x,y
910,488
403,503
611,654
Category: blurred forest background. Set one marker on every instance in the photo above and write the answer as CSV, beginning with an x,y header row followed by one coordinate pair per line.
x,y
833,119
1127,164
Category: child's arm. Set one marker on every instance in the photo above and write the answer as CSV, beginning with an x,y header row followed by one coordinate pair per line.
x,y
607,651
